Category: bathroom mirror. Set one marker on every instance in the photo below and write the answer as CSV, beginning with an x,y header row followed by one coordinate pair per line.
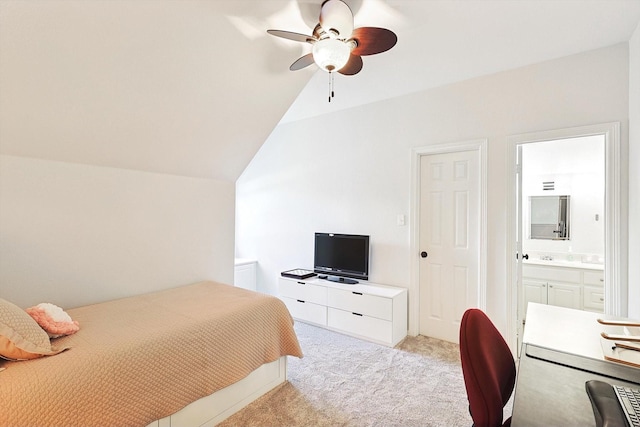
x,y
549,217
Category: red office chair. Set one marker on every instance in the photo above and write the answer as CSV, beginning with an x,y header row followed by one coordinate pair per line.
x,y
488,368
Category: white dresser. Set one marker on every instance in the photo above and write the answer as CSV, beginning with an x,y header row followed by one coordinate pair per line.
x,y
373,312
245,273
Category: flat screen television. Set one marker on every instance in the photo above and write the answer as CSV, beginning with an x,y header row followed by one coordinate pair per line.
x,y
342,257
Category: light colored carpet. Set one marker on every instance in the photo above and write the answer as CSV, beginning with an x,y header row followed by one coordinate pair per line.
x,y
343,381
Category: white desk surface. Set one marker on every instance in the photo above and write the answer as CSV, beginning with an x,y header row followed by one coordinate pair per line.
x,y
562,351
566,330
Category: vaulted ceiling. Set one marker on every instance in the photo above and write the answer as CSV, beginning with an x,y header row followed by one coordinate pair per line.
x,y
194,87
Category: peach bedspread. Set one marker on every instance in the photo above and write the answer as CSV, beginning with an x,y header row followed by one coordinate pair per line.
x,y
139,359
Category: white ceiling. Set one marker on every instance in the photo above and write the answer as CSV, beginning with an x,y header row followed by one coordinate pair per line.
x,y
194,87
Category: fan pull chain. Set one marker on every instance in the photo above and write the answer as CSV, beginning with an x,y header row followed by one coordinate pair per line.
x,y
331,94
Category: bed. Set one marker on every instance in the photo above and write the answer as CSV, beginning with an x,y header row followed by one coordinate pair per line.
x,y
191,355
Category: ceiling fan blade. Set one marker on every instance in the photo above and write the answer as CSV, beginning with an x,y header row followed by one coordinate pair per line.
x,y
302,62
373,40
337,16
292,36
354,65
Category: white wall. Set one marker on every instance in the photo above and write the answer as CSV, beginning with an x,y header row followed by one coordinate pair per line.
x,y
74,234
634,174
350,171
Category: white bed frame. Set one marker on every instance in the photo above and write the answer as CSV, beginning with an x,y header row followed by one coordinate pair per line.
x,y
210,410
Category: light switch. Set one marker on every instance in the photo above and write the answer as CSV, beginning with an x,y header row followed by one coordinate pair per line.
x,y
401,220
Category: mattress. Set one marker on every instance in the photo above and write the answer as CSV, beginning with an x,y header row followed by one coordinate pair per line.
x,y
139,359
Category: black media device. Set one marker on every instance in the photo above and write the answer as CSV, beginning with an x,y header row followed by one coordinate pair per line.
x,y
343,257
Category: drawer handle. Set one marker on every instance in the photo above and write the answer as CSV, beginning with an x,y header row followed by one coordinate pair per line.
x,y
601,299
602,280
299,300
301,283
357,314
356,293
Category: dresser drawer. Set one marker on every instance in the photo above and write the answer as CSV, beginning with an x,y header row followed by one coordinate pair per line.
x,y
299,290
306,311
593,298
357,302
360,325
594,278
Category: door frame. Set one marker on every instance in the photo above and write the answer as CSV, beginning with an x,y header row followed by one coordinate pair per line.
x,y
615,249
480,146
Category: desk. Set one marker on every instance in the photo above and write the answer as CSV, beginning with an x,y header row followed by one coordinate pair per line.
x,y
561,351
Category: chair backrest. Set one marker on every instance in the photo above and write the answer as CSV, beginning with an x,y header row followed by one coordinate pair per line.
x,y
488,368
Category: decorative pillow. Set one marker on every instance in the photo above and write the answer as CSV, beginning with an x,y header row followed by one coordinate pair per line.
x,y
54,320
20,336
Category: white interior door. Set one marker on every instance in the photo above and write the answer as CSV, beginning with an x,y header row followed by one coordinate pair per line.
x,y
450,239
533,291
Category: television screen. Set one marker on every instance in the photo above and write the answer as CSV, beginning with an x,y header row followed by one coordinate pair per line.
x,y
342,255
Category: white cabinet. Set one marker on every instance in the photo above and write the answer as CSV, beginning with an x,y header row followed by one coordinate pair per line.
x,y
534,291
593,292
563,286
365,310
593,299
245,274
552,293
595,278
564,295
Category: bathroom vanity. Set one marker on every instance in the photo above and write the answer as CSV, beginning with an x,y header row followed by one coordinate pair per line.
x,y
571,284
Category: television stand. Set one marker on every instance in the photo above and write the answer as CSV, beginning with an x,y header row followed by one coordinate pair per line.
x,y
376,313
344,280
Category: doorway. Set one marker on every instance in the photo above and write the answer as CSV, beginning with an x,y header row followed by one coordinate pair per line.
x,y
449,209
560,283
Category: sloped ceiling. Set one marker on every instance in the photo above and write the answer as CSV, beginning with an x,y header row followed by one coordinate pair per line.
x,y
195,87
155,85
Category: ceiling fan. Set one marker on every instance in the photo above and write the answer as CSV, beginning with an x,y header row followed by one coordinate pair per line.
x,y
337,46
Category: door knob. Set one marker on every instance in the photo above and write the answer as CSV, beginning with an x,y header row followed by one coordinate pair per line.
x,y
423,254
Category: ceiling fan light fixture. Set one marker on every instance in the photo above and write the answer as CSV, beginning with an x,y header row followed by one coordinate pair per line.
x,y
336,45
331,54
